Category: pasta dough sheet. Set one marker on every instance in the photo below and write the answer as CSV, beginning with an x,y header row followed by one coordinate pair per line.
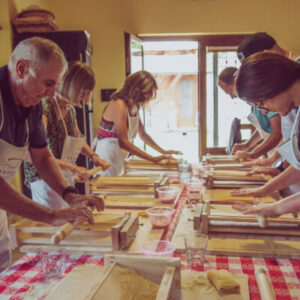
x,y
224,281
126,284
196,286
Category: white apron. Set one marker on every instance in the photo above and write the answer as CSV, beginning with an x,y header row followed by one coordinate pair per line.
x,y
42,193
10,159
109,149
289,149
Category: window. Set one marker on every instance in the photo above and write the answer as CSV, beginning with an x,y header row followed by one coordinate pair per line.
x,y
186,99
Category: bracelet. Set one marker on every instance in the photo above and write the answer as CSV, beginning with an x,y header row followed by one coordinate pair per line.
x,y
69,189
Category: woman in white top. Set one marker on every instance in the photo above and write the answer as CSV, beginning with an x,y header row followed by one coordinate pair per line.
x,y
272,82
120,124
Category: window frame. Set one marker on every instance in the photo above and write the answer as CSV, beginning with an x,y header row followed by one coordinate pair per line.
x,y
221,42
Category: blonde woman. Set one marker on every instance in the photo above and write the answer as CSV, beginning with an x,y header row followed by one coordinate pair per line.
x,y
65,140
120,124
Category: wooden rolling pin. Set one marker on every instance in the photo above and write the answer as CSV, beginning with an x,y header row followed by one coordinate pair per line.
x,y
64,231
91,173
264,285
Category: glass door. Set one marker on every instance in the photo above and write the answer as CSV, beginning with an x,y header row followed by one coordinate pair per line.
x,y
172,118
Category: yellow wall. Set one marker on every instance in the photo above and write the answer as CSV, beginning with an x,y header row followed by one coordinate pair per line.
x,y
279,18
106,20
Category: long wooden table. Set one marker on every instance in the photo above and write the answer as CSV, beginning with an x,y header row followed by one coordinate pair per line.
x,y
25,278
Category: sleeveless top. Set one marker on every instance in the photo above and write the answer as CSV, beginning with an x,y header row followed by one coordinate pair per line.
x,y
106,130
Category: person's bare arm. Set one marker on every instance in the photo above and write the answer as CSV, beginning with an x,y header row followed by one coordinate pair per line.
x,y
263,162
272,140
16,203
147,139
249,144
288,177
120,122
97,161
290,204
49,171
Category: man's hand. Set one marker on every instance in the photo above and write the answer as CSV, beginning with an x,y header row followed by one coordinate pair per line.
x,y
78,200
62,216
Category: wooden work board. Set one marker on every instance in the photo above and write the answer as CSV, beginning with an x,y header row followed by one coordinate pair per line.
x,y
90,282
218,159
230,184
196,286
140,181
135,163
145,232
237,175
253,245
122,190
223,196
139,201
231,166
210,218
111,231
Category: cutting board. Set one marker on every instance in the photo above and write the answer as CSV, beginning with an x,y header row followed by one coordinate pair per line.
x,y
222,196
206,291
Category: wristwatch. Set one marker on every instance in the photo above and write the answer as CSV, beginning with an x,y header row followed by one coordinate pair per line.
x,y
69,189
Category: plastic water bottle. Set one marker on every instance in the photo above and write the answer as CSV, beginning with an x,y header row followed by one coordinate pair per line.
x,y
184,169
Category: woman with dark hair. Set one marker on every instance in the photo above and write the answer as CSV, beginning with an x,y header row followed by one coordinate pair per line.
x,y
272,82
267,126
120,124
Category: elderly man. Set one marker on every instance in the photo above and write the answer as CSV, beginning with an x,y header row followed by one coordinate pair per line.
x,y
35,67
